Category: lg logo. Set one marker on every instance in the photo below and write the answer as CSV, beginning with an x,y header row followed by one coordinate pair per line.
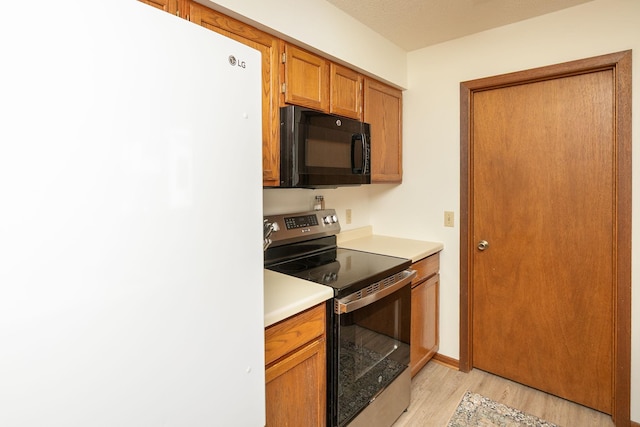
x,y
234,62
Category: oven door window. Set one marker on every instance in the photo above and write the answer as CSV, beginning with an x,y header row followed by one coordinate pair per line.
x,y
373,349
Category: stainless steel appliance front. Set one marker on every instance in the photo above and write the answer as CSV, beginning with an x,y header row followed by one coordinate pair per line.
x,y
371,358
369,319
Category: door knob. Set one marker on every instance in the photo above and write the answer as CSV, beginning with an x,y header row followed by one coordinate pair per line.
x,y
482,245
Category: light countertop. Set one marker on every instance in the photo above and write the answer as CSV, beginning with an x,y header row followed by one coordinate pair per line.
x,y
285,296
363,239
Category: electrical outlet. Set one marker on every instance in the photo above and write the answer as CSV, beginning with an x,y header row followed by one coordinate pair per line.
x,y
448,218
348,216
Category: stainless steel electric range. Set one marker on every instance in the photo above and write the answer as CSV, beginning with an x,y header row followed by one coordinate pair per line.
x,y
369,318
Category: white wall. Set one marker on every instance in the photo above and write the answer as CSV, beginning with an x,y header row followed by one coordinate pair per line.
x,y
431,121
277,201
432,136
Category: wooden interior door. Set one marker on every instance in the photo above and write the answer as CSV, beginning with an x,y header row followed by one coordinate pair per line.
x,y
545,260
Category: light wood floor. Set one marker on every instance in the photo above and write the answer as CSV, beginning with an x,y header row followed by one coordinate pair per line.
x,y
437,389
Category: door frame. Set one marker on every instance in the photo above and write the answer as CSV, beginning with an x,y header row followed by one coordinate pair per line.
x,y
620,64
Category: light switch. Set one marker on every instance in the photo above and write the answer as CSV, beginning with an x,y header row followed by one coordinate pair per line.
x,y
448,218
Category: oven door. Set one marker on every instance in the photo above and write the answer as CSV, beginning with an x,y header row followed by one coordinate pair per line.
x,y
371,354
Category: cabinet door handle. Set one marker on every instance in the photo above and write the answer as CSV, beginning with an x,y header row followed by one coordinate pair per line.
x,y
483,245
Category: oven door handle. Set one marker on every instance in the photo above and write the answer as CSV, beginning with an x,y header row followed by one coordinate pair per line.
x,y
345,306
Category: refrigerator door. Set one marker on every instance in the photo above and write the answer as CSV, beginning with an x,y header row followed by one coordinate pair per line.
x,y
131,281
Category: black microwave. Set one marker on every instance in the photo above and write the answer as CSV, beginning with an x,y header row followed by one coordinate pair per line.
x,y
322,150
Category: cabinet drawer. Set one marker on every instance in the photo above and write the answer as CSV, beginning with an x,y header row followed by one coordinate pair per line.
x,y
426,268
291,333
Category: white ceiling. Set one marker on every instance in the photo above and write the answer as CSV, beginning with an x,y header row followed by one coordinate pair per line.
x,y
414,24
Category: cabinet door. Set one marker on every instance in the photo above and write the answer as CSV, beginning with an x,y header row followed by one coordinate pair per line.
x,y
296,388
424,322
268,47
346,92
306,78
171,6
383,110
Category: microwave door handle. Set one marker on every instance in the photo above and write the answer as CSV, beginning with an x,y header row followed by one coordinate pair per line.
x,y
354,138
363,142
365,154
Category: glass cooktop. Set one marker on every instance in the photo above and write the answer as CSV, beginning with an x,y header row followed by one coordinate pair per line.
x,y
345,270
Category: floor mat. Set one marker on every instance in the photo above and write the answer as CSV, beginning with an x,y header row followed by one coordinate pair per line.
x,y
476,410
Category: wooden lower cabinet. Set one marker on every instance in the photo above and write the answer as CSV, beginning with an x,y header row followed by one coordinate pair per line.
x,y
424,312
295,357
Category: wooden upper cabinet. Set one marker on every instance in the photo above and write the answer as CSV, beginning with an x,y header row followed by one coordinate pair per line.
x,y
305,78
171,6
268,47
383,110
315,82
346,92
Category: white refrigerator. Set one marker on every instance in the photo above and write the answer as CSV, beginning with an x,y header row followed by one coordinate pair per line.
x,y
131,280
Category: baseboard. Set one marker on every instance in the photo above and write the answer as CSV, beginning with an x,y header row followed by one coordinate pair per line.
x,y
635,424
447,361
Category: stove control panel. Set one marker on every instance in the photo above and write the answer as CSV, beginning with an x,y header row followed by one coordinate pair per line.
x,y
302,221
295,227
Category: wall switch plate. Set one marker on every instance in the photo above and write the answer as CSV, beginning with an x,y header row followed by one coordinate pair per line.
x,y
448,218
348,216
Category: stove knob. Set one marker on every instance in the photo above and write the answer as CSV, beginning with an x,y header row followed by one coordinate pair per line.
x,y
275,226
327,219
334,218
